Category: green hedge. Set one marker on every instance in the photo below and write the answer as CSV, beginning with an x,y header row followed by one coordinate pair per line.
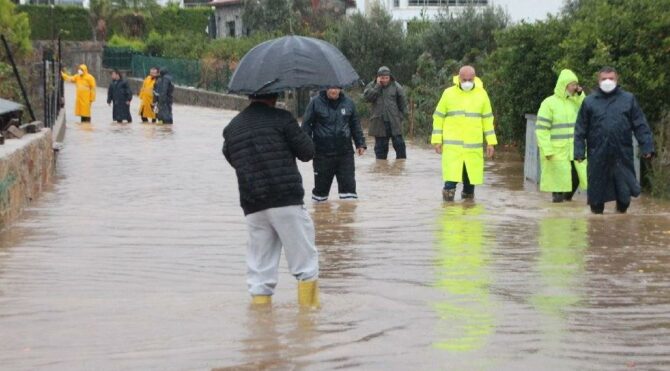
x,y
71,21
180,21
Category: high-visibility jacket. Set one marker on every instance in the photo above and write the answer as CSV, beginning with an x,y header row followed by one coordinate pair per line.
x,y
460,122
462,268
147,98
85,91
555,129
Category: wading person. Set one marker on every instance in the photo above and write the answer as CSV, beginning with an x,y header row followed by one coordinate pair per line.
x,y
163,90
262,144
331,121
85,96
119,95
462,119
606,123
389,106
561,174
147,96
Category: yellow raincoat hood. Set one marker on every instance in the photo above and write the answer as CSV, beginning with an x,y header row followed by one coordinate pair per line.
x,y
564,78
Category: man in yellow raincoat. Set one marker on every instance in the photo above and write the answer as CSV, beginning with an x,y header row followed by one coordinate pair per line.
x,y
147,96
555,129
462,119
85,92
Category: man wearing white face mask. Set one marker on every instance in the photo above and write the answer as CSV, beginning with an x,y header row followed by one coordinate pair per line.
x,y
462,119
606,123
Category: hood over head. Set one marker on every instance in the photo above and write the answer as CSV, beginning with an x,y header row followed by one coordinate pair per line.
x,y
564,79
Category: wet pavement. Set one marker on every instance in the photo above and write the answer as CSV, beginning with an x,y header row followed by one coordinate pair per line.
x,y
134,259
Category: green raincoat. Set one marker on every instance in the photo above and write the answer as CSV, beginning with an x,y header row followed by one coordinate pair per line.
x,y
555,130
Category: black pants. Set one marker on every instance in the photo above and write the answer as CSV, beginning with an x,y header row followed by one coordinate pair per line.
x,y
621,207
144,119
559,196
467,187
382,144
340,166
85,118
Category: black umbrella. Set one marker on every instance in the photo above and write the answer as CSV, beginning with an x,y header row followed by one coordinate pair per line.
x,y
291,62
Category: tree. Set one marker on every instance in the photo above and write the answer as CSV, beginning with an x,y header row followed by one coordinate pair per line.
x,y
521,72
372,41
100,14
16,28
468,36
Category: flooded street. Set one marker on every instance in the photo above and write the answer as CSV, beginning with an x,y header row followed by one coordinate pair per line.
x,y
134,260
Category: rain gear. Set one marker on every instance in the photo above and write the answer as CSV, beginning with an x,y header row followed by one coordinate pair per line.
x,y
119,93
147,98
333,125
605,127
461,121
388,104
163,90
555,129
85,91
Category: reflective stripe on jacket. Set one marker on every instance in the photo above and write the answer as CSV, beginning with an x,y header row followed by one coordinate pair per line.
x,y
461,121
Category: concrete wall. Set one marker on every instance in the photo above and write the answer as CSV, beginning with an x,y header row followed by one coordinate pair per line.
x,y
75,53
188,96
26,168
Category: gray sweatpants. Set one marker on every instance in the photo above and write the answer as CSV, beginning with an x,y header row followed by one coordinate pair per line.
x,y
269,230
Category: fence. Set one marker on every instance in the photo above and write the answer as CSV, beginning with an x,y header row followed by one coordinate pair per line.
x,y
209,75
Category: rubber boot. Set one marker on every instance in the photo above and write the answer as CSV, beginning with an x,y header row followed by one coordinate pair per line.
x,y
261,300
448,195
468,196
598,208
557,197
621,208
308,294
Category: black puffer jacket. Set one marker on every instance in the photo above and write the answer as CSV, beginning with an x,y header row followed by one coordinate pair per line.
x,y
332,124
262,143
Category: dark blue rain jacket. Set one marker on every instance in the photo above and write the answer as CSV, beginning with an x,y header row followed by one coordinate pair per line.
x,y
605,127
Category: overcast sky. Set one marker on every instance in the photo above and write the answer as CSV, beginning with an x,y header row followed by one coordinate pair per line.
x,y
530,10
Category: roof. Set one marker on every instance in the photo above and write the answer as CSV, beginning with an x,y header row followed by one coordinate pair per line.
x,y
222,3
7,106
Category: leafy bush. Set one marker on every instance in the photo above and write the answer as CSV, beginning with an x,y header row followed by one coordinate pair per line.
x,y
72,22
178,45
521,73
233,49
174,20
118,41
16,28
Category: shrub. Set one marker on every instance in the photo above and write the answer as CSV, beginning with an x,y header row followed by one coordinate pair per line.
x,y
72,22
135,45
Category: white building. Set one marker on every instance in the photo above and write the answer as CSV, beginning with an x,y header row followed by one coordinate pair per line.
x,y
406,10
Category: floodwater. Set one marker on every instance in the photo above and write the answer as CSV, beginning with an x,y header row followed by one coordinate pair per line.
x,y
134,260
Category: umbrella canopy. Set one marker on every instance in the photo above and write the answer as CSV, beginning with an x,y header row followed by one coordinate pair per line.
x,y
291,62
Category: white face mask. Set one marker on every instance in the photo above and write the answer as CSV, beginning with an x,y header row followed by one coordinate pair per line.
x,y
80,72
467,85
608,85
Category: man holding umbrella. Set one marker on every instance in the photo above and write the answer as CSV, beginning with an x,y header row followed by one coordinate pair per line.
x,y
262,143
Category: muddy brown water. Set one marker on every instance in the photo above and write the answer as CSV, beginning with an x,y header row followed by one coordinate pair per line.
x,y
134,260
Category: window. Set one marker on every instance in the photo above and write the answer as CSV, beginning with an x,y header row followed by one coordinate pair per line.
x,y
447,2
231,28
396,3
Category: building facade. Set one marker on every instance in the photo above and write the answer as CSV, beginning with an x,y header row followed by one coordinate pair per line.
x,y
228,16
407,10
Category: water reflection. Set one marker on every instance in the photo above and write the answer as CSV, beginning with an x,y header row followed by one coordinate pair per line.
x,y
336,238
466,318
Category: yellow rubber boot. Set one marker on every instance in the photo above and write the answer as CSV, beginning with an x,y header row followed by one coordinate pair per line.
x,y
261,300
308,294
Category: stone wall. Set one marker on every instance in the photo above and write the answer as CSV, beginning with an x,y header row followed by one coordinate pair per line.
x,y
26,168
